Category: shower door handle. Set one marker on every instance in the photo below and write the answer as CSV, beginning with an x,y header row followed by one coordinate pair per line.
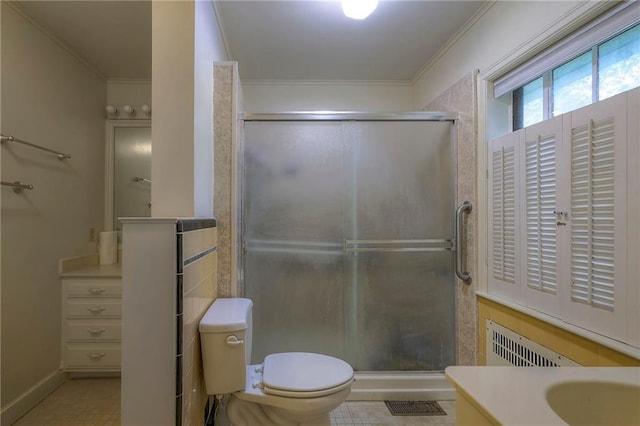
x,y
465,207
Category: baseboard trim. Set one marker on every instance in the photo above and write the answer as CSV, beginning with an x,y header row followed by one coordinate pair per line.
x,y
32,397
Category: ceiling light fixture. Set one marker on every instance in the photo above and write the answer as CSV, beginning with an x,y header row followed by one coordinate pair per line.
x,y
358,9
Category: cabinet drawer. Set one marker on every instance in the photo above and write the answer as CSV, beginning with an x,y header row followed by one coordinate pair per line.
x,y
94,288
93,356
94,308
93,330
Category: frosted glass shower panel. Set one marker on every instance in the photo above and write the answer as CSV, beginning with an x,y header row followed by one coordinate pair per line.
x,y
404,315
403,200
299,302
402,180
293,232
293,183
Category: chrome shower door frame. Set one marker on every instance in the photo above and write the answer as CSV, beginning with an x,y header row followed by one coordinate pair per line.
x,y
352,247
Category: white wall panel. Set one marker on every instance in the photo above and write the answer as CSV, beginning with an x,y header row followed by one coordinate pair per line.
x,y
51,99
326,96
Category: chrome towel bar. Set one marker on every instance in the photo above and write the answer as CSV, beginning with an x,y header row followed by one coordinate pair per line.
x,y
141,179
18,187
60,155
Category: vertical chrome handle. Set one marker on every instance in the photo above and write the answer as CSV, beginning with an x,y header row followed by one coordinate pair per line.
x,y
465,207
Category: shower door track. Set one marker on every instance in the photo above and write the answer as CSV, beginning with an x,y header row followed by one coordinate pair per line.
x,y
351,116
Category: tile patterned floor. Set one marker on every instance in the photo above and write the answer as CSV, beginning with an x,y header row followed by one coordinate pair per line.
x,y
78,402
375,413
96,402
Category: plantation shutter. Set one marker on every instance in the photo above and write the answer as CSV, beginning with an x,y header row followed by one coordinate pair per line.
x,y
596,275
593,213
504,210
504,204
540,196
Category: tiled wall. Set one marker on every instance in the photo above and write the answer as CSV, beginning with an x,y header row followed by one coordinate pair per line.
x,y
227,153
461,98
199,272
168,283
579,349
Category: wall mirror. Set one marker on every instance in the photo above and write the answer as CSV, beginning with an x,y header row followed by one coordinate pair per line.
x,y
127,171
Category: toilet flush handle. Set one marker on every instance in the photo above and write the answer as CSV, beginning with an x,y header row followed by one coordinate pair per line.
x,y
234,341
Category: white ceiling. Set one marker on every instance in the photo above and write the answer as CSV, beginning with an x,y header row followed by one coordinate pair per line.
x,y
313,40
271,40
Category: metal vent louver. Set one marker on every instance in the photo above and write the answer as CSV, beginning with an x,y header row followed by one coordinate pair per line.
x,y
506,347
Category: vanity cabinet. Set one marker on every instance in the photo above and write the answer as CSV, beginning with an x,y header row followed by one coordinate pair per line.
x,y
91,320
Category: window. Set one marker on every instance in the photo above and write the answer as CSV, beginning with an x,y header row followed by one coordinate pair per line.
x,y
572,84
531,97
619,64
605,70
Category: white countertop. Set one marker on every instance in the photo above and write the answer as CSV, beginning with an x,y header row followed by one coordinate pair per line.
x,y
95,271
516,395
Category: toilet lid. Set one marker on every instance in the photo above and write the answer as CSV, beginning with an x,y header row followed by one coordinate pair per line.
x,y
304,372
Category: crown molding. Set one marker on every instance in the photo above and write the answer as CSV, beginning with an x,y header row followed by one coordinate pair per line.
x,y
454,39
268,82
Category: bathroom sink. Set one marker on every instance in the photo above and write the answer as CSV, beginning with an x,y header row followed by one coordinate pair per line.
x,y
595,403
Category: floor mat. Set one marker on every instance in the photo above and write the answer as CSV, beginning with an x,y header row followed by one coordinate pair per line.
x,y
415,408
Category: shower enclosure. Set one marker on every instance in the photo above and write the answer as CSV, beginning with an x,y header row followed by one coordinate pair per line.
x,y
349,237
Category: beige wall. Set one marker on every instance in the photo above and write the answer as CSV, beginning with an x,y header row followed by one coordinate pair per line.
x,y
329,96
49,98
172,131
572,346
505,28
186,40
131,92
208,49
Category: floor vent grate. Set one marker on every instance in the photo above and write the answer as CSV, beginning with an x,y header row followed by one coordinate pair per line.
x,y
415,408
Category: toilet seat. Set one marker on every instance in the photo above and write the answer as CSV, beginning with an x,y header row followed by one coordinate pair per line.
x,y
304,375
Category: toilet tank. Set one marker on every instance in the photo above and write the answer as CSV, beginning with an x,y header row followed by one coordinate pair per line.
x,y
225,341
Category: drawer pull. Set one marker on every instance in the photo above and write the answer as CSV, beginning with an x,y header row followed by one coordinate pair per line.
x,y
95,356
97,291
96,331
96,309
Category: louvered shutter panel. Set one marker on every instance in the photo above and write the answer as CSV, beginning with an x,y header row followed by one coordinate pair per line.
x,y
504,204
597,239
504,250
593,214
540,195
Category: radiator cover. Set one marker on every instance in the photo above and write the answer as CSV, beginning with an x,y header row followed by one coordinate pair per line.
x,y
506,347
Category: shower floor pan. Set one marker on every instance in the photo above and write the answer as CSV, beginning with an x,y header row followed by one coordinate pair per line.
x,y
405,386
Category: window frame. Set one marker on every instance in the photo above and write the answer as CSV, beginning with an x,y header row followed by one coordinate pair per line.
x,y
517,119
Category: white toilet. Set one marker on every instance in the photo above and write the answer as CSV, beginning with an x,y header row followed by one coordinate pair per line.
x,y
292,388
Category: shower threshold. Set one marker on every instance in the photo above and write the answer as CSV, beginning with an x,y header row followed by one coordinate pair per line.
x,y
407,386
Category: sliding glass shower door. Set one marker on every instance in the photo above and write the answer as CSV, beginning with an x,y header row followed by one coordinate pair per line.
x,y
348,235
